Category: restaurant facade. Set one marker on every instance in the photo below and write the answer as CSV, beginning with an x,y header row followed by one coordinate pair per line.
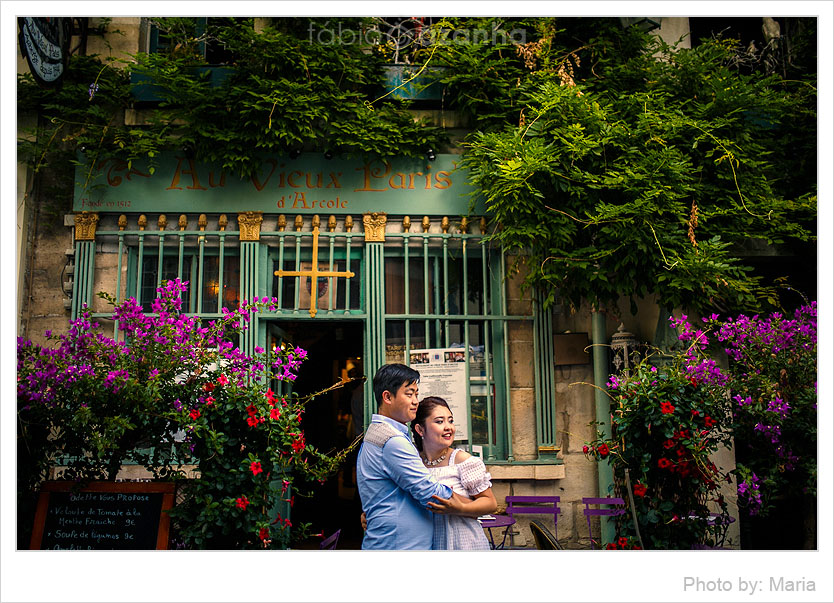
x,y
369,260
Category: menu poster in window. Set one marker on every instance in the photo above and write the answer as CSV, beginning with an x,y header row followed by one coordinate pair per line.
x,y
443,374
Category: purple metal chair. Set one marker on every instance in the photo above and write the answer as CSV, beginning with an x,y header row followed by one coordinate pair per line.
x,y
606,508
541,505
331,541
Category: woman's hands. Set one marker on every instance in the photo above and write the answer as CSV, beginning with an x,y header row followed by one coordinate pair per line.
x,y
460,505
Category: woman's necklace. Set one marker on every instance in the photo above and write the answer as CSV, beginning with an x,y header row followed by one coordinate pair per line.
x,y
436,461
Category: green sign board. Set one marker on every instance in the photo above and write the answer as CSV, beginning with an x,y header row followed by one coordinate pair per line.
x,y
308,184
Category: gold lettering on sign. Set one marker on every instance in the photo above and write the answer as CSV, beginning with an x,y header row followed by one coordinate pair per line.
x,y
445,178
85,226
369,173
397,180
191,171
249,224
374,226
119,165
379,180
291,179
222,182
334,181
260,186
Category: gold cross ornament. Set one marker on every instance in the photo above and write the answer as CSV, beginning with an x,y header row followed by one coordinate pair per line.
x,y
314,273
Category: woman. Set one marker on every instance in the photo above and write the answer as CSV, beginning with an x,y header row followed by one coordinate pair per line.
x,y
455,523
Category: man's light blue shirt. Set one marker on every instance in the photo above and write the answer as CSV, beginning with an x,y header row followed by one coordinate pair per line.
x,y
395,488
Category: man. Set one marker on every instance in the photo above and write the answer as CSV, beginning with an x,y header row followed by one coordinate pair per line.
x,y
394,485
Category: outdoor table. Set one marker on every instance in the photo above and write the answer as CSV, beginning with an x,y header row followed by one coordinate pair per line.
x,y
496,521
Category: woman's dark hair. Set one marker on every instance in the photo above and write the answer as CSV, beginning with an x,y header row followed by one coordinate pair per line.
x,y
426,407
391,377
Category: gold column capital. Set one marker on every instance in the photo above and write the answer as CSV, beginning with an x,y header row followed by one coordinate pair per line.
x,y
375,226
249,224
85,226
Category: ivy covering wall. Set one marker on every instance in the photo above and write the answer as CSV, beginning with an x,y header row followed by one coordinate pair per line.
x,y
618,164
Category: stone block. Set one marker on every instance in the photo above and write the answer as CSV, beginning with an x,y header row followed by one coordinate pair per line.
x,y
520,356
522,404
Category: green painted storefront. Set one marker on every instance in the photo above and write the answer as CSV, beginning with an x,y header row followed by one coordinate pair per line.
x,y
422,274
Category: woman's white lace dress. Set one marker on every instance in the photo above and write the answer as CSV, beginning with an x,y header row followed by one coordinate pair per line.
x,y
455,532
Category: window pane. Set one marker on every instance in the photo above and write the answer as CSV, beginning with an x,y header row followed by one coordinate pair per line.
x,y
211,283
151,279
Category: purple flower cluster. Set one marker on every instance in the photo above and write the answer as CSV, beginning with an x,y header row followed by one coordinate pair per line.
x,y
749,494
159,361
779,407
773,334
772,382
771,431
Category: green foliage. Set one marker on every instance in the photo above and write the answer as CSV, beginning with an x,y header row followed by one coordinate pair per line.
x,y
645,172
282,92
665,425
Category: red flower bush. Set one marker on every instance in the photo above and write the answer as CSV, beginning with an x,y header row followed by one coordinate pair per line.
x,y
183,375
659,435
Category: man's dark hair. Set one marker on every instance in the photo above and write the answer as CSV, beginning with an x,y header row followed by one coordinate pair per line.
x,y
391,377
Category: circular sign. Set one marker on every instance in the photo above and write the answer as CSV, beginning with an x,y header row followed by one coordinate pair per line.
x,y
45,41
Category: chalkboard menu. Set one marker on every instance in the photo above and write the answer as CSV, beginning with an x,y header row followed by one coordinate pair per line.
x,y
103,515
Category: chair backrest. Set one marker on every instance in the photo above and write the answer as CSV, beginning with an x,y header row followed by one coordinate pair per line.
x,y
542,505
331,541
545,541
605,508
601,510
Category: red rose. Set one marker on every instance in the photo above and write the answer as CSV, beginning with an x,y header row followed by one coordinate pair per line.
x,y
585,449
640,489
603,450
